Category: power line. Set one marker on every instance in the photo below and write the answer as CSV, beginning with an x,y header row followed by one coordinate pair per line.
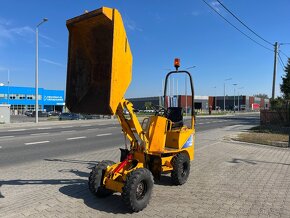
x,y
281,62
236,27
283,53
244,23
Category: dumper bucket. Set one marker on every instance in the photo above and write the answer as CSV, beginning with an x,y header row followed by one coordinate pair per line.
x,y
99,62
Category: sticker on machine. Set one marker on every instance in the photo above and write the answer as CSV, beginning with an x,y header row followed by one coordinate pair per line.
x,y
189,142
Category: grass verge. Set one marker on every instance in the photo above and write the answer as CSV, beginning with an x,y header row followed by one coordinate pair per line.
x,y
266,135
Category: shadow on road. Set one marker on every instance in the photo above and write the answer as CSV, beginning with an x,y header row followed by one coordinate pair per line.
x,y
89,163
254,162
77,188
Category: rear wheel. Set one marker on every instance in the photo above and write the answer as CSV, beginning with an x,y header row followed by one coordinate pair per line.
x,y
137,189
96,179
181,168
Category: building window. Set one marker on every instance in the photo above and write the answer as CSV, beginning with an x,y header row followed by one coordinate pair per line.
x,y
3,96
30,107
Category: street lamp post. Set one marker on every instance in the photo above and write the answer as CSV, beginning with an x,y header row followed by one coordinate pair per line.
x,y
225,92
239,98
235,96
186,90
8,86
215,103
36,70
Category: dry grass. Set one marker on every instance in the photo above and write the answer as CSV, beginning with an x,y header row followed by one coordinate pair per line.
x,y
274,139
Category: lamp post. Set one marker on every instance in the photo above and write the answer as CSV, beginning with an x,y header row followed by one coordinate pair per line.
x,y
36,70
235,96
8,85
186,90
225,92
215,98
239,98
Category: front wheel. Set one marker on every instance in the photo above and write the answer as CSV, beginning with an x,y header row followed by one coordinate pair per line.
x,y
96,179
181,168
137,189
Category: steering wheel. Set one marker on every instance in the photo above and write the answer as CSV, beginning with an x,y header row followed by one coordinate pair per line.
x,y
159,110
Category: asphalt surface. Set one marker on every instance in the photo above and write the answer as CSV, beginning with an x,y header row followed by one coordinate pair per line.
x,y
31,143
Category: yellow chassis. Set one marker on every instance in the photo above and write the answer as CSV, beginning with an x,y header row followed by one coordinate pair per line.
x,y
144,151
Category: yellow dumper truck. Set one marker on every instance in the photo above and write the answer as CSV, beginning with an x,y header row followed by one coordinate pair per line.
x,y
98,75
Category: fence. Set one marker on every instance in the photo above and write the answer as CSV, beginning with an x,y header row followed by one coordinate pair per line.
x,y
277,116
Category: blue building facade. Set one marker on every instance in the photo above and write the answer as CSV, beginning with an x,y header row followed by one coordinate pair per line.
x,y
23,98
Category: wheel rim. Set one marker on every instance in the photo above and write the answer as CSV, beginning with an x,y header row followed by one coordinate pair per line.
x,y
184,169
141,190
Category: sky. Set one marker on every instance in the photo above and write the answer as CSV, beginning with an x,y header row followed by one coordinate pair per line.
x,y
158,31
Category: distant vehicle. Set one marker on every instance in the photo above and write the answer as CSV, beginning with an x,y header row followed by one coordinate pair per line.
x,y
40,114
28,113
91,116
53,113
71,116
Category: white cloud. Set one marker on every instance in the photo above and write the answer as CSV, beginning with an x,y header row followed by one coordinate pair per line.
x,y
132,25
51,62
9,34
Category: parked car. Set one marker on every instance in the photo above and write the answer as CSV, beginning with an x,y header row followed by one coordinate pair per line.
x,y
53,113
70,116
28,113
91,116
40,114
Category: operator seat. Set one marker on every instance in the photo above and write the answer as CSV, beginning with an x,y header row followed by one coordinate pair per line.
x,y
175,114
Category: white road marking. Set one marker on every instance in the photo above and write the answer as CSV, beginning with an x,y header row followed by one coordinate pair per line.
x,y
66,126
43,133
45,128
81,137
7,137
203,147
104,134
68,131
33,143
16,130
0,147
200,123
85,125
92,129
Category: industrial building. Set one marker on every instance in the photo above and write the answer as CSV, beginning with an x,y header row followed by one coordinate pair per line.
x,y
248,103
23,98
200,102
204,103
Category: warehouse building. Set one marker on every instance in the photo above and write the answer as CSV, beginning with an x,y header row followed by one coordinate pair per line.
x,y
200,102
23,98
248,103
204,103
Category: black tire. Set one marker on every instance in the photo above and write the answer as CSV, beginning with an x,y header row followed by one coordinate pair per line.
x,y
96,178
137,189
181,168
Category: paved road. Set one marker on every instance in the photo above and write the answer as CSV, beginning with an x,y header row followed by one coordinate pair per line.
x,y
227,179
25,144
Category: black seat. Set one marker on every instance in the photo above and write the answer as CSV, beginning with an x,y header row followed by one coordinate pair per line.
x,y
175,114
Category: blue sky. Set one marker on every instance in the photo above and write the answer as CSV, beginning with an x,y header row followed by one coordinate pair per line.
x,y
158,31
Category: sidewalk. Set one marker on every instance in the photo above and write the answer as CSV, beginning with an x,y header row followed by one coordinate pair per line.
x,y
228,179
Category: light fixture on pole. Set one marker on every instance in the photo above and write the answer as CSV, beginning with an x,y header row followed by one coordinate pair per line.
x,y
235,96
186,90
36,69
225,92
